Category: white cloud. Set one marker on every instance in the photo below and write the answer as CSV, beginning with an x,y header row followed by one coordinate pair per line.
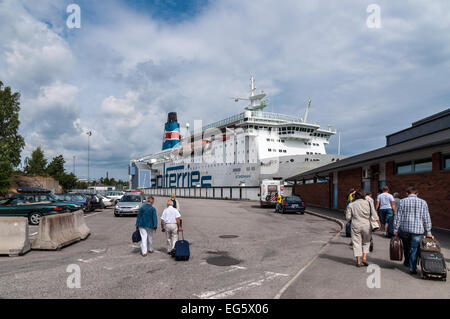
x,y
122,72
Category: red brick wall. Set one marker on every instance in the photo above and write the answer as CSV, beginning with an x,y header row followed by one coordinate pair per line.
x,y
314,194
434,187
348,179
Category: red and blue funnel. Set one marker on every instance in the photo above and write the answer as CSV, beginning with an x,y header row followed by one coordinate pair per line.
x,y
171,132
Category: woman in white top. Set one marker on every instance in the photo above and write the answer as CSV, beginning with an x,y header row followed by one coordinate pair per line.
x,y
362,214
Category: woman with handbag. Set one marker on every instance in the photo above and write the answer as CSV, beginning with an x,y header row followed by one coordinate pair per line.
x,y
364,219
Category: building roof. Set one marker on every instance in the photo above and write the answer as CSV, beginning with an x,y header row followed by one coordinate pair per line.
x,y
421,143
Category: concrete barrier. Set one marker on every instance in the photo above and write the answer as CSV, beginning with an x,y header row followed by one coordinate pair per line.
x,y
80,224
56,231
14,239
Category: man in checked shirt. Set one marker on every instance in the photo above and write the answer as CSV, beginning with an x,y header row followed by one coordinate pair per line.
x,y
411,223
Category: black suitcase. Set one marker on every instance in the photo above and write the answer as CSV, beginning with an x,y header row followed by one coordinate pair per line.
x,y
433,265
182,251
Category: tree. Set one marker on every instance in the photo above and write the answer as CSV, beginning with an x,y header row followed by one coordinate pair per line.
x,y
67,181
11,143
56,167
37,164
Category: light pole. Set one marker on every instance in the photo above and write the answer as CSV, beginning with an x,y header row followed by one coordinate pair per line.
x,y
89,135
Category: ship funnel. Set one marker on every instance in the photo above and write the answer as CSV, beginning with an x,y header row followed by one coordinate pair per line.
x,y
171,132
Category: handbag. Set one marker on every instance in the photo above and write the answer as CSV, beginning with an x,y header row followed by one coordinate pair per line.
x,y
136,237
373,223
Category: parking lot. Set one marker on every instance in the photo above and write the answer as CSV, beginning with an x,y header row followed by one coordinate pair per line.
x,y
238,250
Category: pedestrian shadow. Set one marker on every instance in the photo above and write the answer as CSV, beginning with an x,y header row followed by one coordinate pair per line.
x,y
386,264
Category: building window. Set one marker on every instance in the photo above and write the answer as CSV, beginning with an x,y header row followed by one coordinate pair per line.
x,y
416,166
446,162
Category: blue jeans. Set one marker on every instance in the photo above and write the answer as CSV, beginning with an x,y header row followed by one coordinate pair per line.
x,y
386,215
411,243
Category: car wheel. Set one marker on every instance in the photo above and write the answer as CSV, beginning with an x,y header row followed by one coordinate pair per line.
x,y
35,218
116,215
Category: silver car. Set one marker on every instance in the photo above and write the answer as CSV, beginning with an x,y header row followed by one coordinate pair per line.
x,y
129,204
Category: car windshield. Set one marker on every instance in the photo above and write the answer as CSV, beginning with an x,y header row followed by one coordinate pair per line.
x,y
78,197
131,198
293,199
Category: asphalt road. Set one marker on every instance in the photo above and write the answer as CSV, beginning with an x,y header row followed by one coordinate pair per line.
x,y
260,254
333,274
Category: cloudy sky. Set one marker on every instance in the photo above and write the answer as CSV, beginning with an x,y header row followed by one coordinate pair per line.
x,y
131,62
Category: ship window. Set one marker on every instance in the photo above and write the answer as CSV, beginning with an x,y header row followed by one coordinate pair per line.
x,y
284,151
282,141
281,151
270,150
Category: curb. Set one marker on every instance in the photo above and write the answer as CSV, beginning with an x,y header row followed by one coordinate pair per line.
x,y
290,282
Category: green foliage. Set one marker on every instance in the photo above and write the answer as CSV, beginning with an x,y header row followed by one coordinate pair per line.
x,y
11,143
67,181
56,166
37,163
6,170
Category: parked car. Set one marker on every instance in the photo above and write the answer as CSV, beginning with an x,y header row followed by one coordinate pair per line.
x,y
93,202
40,197
107,201
129,204
291,204
79,199
115,195
17,207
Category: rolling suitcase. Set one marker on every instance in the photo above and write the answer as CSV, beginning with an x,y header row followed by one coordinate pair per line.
x,y
433,265
430,245
396,249
182,249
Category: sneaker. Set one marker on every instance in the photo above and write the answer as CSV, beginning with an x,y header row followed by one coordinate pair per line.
x,y
150,251
144,255
413,272
365,263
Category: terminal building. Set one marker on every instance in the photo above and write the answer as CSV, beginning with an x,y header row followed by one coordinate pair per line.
x,y
417,156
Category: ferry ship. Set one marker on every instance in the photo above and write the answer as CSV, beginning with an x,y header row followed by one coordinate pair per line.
x,y
241,150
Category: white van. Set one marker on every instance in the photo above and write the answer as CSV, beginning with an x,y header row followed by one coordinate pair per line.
x,y
269,188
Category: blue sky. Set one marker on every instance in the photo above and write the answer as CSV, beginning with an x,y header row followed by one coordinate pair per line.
x,y
133,61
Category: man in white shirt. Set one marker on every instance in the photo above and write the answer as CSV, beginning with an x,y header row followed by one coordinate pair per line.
x,y
171,224
386,206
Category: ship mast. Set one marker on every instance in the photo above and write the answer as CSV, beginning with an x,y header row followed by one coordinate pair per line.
x,y
256,100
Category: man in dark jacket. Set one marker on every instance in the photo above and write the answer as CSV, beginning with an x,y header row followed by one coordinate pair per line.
x,y
147,223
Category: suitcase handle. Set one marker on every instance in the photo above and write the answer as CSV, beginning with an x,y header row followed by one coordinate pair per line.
x,y
182,234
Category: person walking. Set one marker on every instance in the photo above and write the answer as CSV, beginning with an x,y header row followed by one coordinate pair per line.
x,y
386,207
147,223
175,202
359,213
411,222
171,224
279,199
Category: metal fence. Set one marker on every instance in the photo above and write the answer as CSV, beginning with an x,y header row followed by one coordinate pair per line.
x,y
233,192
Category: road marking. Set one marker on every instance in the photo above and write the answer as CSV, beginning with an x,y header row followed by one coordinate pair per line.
x,y
87,261
90,215
290,282
230,291
234,268
97,251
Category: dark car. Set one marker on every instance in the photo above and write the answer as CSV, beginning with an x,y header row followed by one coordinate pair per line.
x,y
41,197
291,204
72,198
93,202
16,207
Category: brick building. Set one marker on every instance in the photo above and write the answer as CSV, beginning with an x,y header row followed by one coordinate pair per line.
x,y
417,156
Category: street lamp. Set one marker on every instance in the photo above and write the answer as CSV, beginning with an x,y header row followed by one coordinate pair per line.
x,y
89,135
